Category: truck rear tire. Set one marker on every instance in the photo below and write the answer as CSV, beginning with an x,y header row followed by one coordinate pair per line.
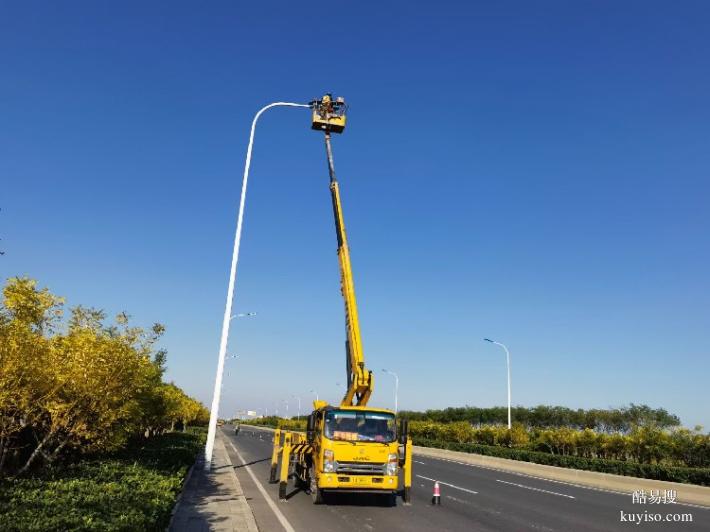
x,y
316,492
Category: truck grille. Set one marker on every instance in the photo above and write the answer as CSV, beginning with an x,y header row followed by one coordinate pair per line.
x,y
360,468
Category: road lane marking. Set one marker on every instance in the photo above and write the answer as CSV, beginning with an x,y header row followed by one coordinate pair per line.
x,y
572,484
418,462
535,489
449,485
461,501
281,517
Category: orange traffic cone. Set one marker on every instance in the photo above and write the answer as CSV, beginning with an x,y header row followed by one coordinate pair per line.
x,y
436,497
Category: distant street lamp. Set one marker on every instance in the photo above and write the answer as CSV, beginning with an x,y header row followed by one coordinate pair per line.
x,y
315,392
214,411
230,357
299,406
507,359
396,387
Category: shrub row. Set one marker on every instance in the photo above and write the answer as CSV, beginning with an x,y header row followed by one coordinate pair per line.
x,y
277,423
643,444
700,476
132,489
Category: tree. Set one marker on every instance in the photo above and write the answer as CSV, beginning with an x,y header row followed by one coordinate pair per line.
x,y
90,388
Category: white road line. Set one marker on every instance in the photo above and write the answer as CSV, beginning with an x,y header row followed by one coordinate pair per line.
x,y
282,519
574,485
536,489
418,462
449,485
457,500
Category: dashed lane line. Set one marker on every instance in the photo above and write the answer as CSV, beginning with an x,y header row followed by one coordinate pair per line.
x,y
449,485
281,517
536,489
573,484
461,501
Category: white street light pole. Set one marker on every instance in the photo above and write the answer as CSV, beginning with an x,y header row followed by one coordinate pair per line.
x,y
315,392
299,406
507,359
396,387
212,431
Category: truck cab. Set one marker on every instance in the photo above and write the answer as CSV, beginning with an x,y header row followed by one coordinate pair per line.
x,y
355,449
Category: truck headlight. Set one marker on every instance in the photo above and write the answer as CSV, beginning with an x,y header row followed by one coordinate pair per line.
x,y
328,462
392,460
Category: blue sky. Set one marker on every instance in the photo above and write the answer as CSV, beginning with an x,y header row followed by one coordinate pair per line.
x,y
537,174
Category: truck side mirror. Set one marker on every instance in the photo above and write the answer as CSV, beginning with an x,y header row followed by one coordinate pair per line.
x,y
311,427
403,431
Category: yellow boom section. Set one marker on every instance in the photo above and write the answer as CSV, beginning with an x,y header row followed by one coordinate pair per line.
x,y
360,381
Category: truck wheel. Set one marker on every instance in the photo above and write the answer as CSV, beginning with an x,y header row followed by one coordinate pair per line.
x,y
316,492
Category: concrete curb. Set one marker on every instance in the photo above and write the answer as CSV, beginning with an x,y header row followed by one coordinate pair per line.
x,y
686,493
179,497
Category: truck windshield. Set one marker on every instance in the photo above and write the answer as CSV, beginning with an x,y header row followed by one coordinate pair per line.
x,y
347,425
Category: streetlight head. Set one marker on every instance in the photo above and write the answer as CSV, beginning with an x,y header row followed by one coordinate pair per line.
x,y
488,340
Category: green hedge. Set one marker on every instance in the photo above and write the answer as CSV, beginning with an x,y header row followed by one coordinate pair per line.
x,y
688,475
134,489
275,422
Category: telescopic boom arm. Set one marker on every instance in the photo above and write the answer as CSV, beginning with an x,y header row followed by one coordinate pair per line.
x,y
329,116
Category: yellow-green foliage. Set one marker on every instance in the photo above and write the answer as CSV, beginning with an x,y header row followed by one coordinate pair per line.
x,y
80,385
646,445
292,424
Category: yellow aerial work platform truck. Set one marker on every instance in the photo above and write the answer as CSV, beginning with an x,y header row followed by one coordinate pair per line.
x,y
351,447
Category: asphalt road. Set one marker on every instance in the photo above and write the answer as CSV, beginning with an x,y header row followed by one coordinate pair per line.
x,y
473,498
